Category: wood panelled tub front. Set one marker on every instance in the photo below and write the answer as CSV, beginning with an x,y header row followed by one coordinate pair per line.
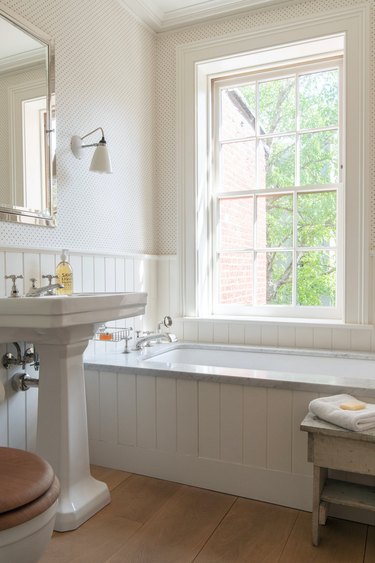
x,y
230,429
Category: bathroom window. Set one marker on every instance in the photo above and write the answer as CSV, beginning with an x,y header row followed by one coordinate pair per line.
x,y
276,191
272,164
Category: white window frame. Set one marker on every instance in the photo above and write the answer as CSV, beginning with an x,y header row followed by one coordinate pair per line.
x,y
195,62
296,311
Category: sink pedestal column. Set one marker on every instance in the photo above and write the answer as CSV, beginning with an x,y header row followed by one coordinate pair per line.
x,y
62,436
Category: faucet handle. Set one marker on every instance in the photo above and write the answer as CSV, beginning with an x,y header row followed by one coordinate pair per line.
x,y
50,277
14,291
127,337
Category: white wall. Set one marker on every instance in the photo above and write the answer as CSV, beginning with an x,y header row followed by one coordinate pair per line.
x,y
105,76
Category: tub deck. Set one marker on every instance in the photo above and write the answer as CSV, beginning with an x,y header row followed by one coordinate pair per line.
x,y
304,370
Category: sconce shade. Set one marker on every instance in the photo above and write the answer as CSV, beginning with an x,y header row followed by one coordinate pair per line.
x,y
101,161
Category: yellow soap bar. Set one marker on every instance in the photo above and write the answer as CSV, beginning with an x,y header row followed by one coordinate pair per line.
x,y
352,406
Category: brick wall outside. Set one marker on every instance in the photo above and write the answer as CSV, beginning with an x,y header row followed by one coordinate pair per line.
x,y
238,172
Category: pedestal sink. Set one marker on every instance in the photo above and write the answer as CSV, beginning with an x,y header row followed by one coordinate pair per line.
x,y
60,327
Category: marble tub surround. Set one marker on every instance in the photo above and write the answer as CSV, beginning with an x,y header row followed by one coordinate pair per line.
x,y
320,371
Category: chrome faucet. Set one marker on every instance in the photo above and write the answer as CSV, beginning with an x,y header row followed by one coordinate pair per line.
x,y
38,291
167,336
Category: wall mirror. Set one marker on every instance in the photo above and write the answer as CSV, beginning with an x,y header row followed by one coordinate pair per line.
x,y
27,123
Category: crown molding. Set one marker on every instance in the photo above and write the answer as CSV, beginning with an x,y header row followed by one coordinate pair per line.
x,y
22,60
151,17
199,12
212,9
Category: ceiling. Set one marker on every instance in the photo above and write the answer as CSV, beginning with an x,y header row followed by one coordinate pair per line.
x,y
163,15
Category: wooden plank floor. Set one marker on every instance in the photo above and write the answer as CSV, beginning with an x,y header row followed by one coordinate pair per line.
x,y
155,521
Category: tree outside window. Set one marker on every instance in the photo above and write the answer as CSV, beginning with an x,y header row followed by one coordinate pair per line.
x,y
276,188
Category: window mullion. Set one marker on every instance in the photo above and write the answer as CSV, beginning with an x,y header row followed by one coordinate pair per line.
x,y
297,182
295,253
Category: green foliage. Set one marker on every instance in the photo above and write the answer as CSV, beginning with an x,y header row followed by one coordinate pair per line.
x,y
318,99
318,165
277,107
279,278
316,219
316,212
279,164
279,221
316,278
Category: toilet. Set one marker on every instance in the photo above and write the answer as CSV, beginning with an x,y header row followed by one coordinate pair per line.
x,y
29,491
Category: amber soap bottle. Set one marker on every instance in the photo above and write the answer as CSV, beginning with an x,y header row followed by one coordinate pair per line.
x,y
64,274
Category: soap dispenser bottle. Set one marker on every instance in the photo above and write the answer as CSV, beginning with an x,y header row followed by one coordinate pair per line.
x,y
64,274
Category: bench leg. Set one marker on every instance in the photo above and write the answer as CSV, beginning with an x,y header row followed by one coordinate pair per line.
x,y
320,475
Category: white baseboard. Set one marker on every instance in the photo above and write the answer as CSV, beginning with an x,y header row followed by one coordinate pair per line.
x,y
277,487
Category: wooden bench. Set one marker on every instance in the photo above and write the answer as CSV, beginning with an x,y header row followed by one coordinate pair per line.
x,y
332,447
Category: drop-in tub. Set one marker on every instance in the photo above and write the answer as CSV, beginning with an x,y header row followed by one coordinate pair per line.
x,y
313,370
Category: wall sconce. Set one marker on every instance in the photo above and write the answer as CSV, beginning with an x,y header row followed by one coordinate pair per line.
x,y
101,161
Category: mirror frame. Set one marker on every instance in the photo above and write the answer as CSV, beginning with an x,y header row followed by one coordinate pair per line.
x,y
17,214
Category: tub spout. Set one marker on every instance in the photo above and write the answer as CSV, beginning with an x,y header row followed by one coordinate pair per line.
x,y
160,336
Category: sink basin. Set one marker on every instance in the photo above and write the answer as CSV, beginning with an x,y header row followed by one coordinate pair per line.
x,y
61,327
56,311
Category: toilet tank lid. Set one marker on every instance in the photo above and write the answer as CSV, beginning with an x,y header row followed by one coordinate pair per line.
x,y
24,477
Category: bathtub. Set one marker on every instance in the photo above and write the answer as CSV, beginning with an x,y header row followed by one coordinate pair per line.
x,y
293,361
312,370
320,371
219,417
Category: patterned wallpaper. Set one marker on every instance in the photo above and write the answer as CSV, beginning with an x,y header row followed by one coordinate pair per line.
x,y
105,76
166,97
107,64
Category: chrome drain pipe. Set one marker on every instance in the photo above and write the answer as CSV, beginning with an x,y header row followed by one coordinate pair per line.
x,y
23,382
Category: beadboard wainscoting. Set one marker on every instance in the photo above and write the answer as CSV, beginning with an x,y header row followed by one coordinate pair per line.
x,y
92,272
237,439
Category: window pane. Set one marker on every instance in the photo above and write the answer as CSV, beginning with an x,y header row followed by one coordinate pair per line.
x,y
316,219
236,223
238,166
319,158
274,272
238,112
236,278
316,278
274,221
277,106
318,99
276,158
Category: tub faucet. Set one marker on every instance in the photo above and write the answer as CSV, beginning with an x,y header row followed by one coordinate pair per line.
x,y
38,291
141,342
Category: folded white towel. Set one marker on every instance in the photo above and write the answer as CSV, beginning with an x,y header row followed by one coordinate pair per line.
x,y
328,408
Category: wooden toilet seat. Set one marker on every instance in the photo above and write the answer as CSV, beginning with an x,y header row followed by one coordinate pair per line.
x,y
28,487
